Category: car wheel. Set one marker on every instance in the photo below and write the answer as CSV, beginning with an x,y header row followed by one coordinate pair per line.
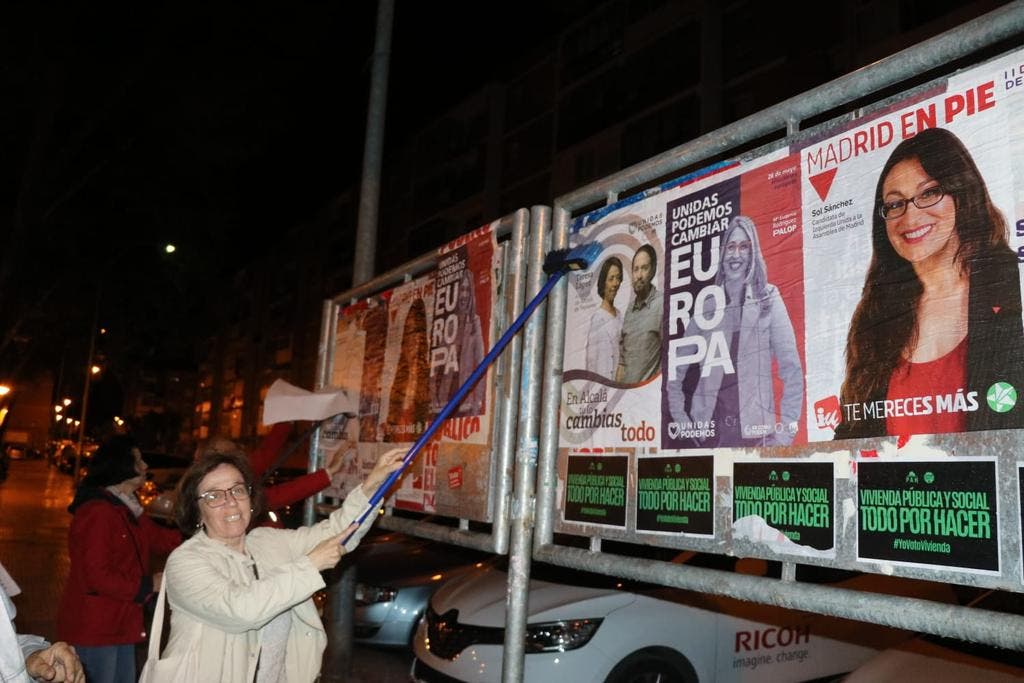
x,y
653,667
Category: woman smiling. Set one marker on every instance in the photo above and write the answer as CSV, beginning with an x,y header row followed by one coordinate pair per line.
x,y
241,598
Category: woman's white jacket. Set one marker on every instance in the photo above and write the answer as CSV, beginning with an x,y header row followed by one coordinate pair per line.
x,y
219,606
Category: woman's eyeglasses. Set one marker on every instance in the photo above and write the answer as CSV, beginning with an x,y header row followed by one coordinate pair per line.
x,y
214,498
897,207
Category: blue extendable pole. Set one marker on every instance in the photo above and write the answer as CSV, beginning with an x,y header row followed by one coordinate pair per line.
x,y
516,325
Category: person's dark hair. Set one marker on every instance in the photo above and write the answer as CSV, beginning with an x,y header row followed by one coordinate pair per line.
x,y
649,250
884,324
112,463
186,506
602,275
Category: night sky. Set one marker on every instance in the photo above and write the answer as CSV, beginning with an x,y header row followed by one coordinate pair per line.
x,y
208,125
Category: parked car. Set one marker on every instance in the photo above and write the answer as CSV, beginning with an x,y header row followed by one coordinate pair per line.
x,y
592,627
934,659
396,575
66,457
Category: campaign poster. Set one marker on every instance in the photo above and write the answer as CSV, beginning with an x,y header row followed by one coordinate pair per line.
x,y
595,489
359,352
611,383
405,402
464,285
676,495
733,354
913,232
360,339
929,512
787,505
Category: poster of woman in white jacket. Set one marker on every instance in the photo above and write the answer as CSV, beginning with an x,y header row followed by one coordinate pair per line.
x,y
738,408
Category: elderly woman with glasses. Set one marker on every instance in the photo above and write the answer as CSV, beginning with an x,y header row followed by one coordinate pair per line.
x,y
940,313
242,598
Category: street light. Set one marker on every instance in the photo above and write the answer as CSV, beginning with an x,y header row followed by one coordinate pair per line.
x,y
4,390
90,368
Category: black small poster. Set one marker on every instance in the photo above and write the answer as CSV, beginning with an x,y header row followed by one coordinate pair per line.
x,y
676,495
939,512
795,498
595,489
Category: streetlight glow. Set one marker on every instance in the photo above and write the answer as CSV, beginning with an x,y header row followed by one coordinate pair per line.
x,y
95,369
4,390
170,249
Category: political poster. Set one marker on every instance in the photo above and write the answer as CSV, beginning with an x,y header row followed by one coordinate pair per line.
x,y
912,239
935,513
611,384
785,505
595,488
460,330
405,409
406,352
734,316
676,495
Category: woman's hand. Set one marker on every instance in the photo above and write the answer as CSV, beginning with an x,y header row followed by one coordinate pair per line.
x,y
328,552
334,462
388,463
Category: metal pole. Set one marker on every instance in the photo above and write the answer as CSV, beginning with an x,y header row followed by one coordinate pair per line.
x,y
547,475
369,193
341,605
88,378
521,523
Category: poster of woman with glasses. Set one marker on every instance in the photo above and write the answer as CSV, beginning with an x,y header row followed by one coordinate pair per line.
x,y
910,216
734,367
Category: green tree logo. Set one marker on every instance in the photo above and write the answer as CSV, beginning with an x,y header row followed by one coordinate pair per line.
x,y
1001,397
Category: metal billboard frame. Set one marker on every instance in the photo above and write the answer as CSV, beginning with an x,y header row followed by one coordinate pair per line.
x,y
786,117
516,227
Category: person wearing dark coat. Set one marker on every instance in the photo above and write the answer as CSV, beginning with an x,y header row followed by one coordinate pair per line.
x,y
110,579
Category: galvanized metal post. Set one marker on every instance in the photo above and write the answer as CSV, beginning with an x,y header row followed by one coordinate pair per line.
x,y
547,474
508,415
373,150
516,607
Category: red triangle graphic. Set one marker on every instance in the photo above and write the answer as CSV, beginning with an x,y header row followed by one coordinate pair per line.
x,y
823,182
996,309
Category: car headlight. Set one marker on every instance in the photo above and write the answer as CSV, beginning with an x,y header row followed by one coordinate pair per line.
x,y
368,595
559,636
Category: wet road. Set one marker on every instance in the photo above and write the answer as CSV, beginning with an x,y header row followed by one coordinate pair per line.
x,y
33,547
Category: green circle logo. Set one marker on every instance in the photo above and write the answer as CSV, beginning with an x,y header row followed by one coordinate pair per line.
x,y
1001,397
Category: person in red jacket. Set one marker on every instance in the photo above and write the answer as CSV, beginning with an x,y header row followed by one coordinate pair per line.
x,y
109,543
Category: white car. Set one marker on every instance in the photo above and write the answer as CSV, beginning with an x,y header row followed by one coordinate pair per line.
x,y
592,628
931,659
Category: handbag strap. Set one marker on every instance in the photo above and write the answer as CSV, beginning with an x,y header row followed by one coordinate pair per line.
x,y
157,628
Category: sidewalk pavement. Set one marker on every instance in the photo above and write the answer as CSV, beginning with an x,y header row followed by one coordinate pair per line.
x,y
34,525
